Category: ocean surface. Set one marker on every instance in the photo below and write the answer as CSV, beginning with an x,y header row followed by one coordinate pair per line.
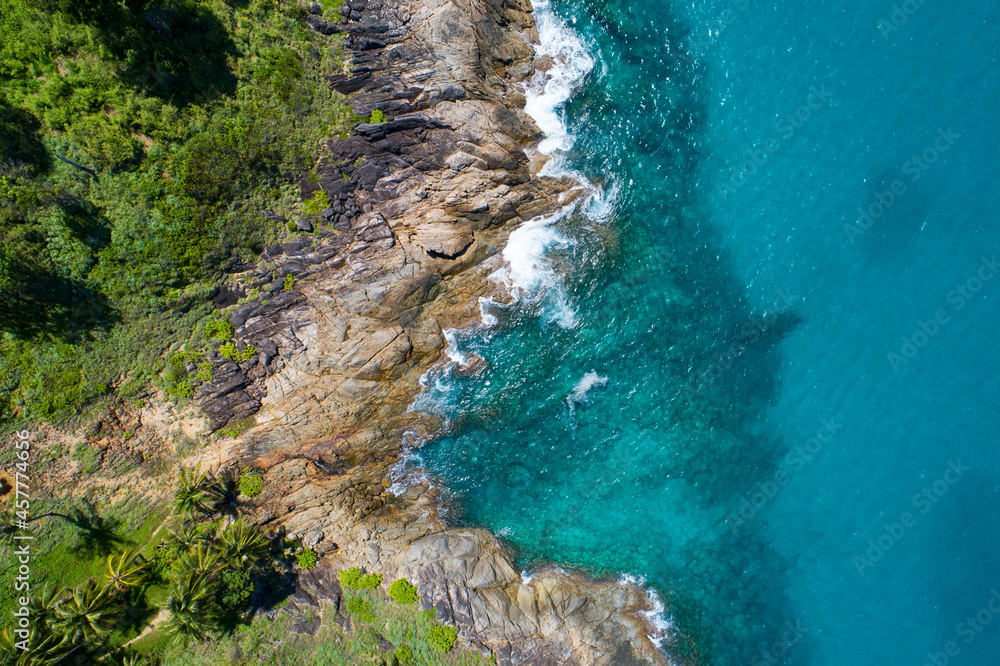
x,y
756,366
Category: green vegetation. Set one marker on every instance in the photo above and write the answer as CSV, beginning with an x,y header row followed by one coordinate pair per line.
x,y
138,142
289,282
316,205
251,483
219,329
403,592
307,559
360,609
377,116
442,637
232,352
269,642
353,578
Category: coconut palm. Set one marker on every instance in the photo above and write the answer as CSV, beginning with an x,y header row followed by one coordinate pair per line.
x,y
44,647
196,493
125,571
201,559
182,539
84,615
191,605
243,544
42,606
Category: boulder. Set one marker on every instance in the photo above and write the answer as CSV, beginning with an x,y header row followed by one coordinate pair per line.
x,y
444,240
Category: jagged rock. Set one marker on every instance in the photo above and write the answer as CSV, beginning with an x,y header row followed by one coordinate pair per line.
x,y
416,202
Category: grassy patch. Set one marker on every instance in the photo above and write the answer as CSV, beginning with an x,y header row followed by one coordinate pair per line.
x,y
264,641
188,118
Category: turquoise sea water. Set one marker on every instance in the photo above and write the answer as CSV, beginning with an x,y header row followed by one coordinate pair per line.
x,y
788,427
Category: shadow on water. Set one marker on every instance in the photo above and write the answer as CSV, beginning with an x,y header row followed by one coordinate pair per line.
x,y
899,202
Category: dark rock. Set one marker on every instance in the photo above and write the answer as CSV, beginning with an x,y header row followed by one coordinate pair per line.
x,y
315,8
321,26
240,316
304,224
227,294
267,346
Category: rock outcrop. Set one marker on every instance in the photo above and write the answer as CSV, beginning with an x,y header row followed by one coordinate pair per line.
x,y
420,206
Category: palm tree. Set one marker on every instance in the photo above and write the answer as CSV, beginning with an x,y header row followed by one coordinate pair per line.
x,y
190,606
196,493
243,544
42,606
127,571
44,647
182,539
85,615
201,559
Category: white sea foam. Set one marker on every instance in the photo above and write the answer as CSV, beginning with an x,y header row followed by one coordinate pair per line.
x,y
528,275
582,388
664,629
409,469
451,351
548,91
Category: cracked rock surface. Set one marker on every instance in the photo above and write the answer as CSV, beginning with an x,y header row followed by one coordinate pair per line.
x,y
420,206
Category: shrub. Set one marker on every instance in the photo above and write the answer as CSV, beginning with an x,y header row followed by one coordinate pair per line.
x,y
442,638
292,227
231,352
235,588
377,117
219,329
205,371
307,558
316,205
289,282
403,591
353,578
251,483
360,609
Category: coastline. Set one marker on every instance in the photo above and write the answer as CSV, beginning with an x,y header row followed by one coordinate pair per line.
x,y
423,206
549,617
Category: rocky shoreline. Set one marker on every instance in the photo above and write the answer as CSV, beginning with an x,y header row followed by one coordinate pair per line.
x,y
420,207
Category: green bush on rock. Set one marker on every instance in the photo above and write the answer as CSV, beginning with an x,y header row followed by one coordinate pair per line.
x,y
316,205
231,352
354,578
403,591
307,558
442,638
251,483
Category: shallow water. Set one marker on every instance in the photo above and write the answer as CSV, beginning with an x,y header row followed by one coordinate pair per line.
x,y
704,380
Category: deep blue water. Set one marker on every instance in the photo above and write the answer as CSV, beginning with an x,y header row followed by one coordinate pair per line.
x,y
723,377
